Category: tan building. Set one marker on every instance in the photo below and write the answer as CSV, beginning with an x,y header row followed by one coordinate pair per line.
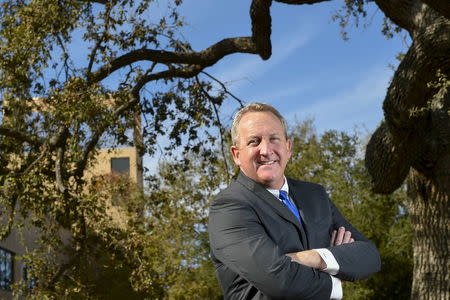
x,y
11,268
124,161
120,160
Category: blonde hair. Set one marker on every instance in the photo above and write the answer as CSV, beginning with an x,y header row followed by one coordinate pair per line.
x,y
254,107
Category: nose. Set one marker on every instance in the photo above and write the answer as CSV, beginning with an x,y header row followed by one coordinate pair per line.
x,y
265,148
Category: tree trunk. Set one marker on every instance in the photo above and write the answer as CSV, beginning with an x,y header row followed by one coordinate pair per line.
x,y
414,138
430,220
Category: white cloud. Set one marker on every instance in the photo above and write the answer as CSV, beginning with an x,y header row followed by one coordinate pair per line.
x,y
248,67
359,104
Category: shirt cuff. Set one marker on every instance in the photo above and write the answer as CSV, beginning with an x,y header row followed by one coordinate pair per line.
x,y
336,290
328,257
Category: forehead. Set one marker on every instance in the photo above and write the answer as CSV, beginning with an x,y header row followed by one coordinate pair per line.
x,y
260,123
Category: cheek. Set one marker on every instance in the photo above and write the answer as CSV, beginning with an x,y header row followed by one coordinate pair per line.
x,y
244,157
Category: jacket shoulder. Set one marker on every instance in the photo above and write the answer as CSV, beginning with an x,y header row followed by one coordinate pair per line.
x,y
234,190
304,184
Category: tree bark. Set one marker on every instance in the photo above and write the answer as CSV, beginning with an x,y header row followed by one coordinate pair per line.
x,y
430,215
419,144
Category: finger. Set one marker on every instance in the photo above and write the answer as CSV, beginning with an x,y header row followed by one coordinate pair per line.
x,y
333,237
339,236
352,240
347,237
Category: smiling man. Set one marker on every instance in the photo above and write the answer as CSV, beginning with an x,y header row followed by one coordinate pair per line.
x,y
273,237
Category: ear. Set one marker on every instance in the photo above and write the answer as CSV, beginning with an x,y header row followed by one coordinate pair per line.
x,y
289,147
235,153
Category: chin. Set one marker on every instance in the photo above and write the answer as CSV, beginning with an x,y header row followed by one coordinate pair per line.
x,y
268,180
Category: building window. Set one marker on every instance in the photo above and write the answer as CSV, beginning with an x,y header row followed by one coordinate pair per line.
x,y
120,165
29,280
6,269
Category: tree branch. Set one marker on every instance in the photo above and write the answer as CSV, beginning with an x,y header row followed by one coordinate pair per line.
x,y
401,12
59,169
224,88
403,140
34,162
261,27
100,39
90,145
104,2
388,159
204,58
442,7
63,267
408,88
221,129
295,2
32,140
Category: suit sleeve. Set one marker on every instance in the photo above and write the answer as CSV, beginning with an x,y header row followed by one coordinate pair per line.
x,y
239,240
356,260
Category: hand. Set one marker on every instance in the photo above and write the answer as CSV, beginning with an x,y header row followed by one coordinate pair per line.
x,y
308,258
340,237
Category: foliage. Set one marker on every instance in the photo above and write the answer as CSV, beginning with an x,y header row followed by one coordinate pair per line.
x,y
61,101
177,227
356,11
441,85
161,254
58,107
334,159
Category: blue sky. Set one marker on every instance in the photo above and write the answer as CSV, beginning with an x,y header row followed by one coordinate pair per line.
x,y
313,72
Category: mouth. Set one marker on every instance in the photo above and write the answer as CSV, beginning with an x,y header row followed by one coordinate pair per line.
x,y
267,163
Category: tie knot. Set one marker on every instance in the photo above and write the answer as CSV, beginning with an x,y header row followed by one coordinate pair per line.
x,y
283,195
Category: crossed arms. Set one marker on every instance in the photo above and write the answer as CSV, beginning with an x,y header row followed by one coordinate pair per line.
x,y
249,243
311,258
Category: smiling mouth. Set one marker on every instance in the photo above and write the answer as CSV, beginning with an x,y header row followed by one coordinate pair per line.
x,y
266,163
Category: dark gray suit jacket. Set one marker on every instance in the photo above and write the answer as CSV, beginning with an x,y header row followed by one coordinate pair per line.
x,y
250,232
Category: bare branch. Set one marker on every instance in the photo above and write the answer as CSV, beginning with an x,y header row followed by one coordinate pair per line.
x,y
261,27
216,113
187,72
101,39
205,58
301,1
65,54
224,88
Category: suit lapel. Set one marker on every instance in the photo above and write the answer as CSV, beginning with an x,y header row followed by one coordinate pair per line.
x,y
274,203
299,195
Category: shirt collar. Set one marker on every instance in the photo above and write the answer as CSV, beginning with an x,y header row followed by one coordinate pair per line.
x,y
285,188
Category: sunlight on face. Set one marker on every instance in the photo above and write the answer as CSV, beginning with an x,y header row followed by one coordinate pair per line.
x,y
262,151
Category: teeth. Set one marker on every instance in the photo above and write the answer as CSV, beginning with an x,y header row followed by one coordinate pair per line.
x,y
267,162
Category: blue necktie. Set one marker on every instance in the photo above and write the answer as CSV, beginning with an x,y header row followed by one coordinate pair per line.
x,y
284,198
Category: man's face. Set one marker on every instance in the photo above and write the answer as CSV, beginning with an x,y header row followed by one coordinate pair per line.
x,y
262,150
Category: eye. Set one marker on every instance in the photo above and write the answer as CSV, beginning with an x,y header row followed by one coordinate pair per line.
x,y
253,142
274,139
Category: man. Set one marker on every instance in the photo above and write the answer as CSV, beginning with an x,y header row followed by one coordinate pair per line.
x,y
268,244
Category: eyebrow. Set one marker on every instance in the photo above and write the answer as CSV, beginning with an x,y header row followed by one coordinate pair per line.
x,y
259,136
